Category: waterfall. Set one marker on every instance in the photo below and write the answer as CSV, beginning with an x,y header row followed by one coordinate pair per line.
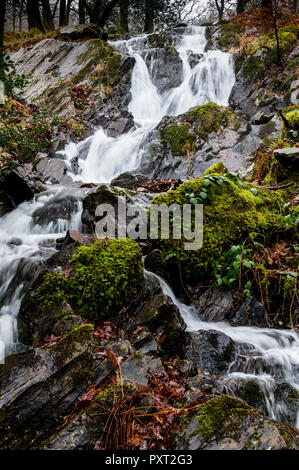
x,y
279,349
211,79
24,244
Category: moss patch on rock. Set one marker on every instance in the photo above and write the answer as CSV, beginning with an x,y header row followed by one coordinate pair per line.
x,y
105,277
231,210
195,125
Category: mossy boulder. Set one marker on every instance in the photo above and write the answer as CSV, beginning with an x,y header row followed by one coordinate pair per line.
x,y
229,36
103,279
291,115
227,423
231,211
196,125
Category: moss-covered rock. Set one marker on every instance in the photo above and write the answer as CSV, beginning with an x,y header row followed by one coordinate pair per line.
x,y
231,211
229,36
196,125
228,423
105,277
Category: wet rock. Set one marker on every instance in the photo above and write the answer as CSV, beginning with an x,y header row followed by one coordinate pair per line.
x,y
288,156
261,118
18,185
74,436
36,325
226,423
213,351
164,320
129,181
135,368
168,71
155,262
215,305
166,153
72,236
40,386
251,313
121,348
53,170
59,207
15,241
288,397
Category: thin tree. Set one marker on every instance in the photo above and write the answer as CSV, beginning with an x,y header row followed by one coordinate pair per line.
x,y
2,22
149,16
62,13
124,14
82,12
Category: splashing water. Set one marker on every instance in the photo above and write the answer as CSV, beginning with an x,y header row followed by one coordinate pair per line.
x,y
210,80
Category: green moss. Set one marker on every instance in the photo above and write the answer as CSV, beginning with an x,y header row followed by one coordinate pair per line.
x,y
229,36
216,168
115,393
179,137
252,394
48,295
105,277
113,64
291,114
221,417
232,210
199,123
97,51
80,335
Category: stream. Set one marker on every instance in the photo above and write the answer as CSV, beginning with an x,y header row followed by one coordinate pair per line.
x,y
24,244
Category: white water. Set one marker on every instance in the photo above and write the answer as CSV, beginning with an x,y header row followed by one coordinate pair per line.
x,y
19,262
279,350
210,80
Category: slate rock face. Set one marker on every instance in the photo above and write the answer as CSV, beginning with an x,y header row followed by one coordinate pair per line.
x,y
213,351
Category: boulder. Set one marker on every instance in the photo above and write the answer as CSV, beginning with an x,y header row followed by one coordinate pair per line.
x,y
82,31
53,170
226,423
163,319
40,386
288,156
129,181
17,186
213,351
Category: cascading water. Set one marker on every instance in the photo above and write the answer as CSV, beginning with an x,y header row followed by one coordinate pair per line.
x,y
24,244
275,358
211,79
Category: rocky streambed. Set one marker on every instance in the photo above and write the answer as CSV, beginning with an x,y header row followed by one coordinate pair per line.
x,y
89,326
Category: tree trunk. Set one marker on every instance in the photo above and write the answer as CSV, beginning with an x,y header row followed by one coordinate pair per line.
x,y
241,4
68,10
47,16
62,13
149,17
82,17
124,14
220,8
276,33
107,12
34,16
266,3
2,21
